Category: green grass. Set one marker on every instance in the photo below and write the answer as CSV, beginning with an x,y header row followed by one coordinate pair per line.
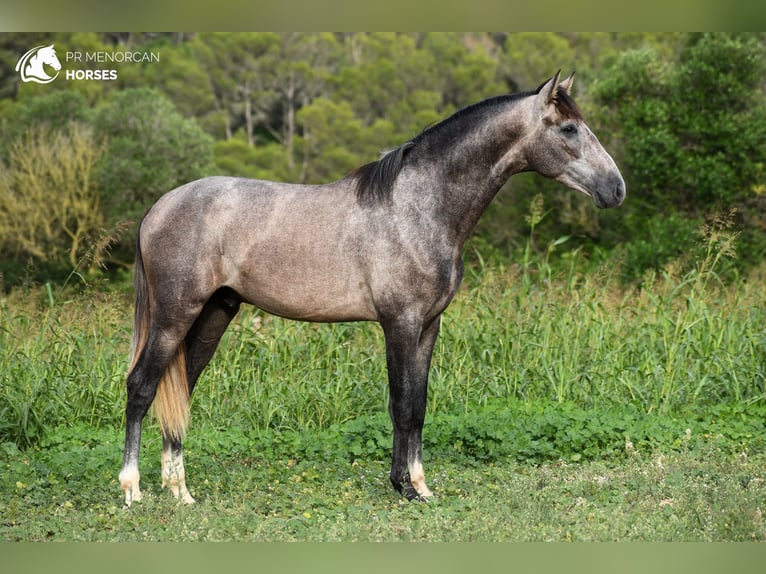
x,y
67,490
543,380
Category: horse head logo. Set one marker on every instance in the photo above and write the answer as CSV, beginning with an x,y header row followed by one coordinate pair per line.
x,y
31,65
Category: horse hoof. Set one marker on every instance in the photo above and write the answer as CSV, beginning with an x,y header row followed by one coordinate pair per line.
x,y
408,491
187,498
131,496
181,494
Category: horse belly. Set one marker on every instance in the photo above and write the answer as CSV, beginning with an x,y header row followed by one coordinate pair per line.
x,y
295,253
306,290
301,305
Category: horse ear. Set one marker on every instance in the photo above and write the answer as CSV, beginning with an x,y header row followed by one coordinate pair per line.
x,y
549,89
566,84
546,94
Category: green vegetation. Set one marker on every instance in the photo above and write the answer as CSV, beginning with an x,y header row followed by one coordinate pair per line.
x,y
562,407
67,490
677,344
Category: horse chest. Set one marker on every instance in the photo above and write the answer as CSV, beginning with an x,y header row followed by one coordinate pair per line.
x,y
422,286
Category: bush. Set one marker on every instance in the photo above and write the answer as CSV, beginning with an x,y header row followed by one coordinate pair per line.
x,y
54,111
152,149
693,138
49,205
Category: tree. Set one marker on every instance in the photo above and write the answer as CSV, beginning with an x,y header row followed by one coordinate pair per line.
x,y
386,69
151,149
12,47
331,140
299,69
180,76
55,111
269,161
693,130
532,57
240,76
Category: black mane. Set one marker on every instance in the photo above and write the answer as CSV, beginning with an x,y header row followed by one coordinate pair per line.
x,y
374,182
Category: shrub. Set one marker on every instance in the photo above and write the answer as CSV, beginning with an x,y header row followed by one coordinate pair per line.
x,y
692,138
152,149
49,205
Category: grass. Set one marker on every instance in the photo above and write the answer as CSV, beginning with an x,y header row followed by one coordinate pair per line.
x,y
562,406
68,491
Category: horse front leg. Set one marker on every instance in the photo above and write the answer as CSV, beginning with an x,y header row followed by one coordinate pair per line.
x,y
409,346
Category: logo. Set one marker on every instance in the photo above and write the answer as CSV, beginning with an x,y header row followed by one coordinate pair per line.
x,y
32,65
41,64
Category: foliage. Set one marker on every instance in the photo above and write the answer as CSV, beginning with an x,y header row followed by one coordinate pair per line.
x,y
49,203
609,384
701,489
529,432
76,170
679,112
691,141
54,111
151,149
235,157
681,344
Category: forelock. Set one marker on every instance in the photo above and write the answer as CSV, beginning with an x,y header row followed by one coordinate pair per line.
x,y
565,105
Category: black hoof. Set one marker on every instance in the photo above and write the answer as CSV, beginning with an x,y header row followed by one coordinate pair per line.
x,y
405,488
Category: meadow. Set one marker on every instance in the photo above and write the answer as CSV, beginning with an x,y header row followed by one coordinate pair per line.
x,y
562,406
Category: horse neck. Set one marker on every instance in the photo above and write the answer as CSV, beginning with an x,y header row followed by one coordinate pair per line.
x,y
469,175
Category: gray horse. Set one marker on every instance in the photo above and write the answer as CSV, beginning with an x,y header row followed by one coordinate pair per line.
x,y
381,244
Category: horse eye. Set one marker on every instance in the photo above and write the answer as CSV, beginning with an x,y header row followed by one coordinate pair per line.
x,y
569,129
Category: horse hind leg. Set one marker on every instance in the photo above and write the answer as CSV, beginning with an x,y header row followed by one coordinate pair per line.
x,y
143,381
200,343
173,473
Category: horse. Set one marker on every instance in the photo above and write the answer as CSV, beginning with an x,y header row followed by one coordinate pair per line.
x,y
30,65
382,244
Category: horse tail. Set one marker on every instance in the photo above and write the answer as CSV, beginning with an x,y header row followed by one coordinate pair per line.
x,y
171,403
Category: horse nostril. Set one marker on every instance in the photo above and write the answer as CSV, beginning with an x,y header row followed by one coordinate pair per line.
x,y
620,191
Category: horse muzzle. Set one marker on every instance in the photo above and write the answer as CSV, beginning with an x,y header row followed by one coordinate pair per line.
x,y
612,196
611,193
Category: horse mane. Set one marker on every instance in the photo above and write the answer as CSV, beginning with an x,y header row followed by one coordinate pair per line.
x,y
374,181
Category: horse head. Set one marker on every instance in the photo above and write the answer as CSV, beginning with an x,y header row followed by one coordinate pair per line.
x,y
47,55
564,148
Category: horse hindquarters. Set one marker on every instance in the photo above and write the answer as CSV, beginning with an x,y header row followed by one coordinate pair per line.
x,y
157,362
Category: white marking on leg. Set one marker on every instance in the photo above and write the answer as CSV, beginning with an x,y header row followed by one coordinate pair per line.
x,y
418,479
174,476
129,478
